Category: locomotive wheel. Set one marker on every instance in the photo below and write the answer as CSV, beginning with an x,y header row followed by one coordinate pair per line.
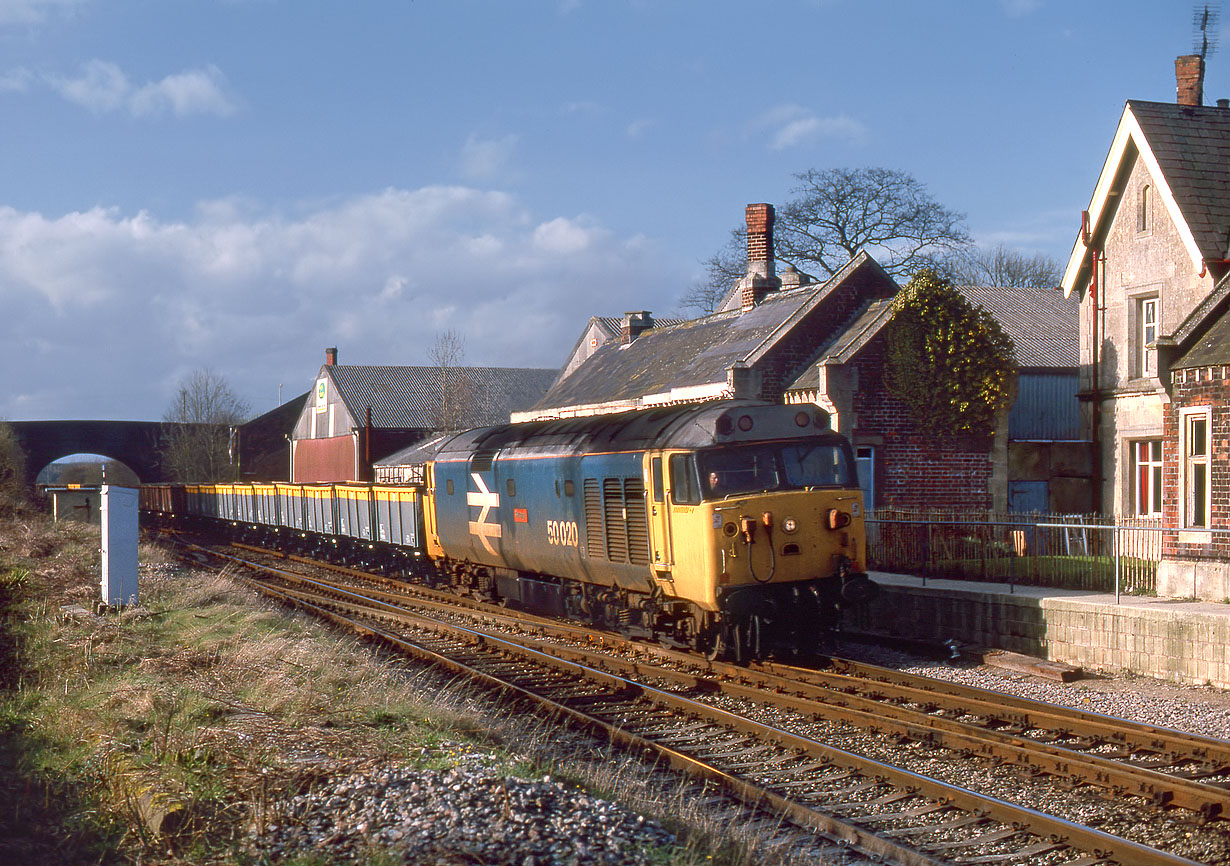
x,y
745,640
712,642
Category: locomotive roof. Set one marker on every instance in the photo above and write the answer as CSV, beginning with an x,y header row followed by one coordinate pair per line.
x,y
691,426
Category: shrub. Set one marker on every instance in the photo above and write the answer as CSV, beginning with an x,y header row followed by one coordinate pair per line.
x,y
949,361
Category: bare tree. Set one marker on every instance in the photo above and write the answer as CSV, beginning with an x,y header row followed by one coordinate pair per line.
x,y
722,270
887,212
202,449
447,354
1000,266
837,213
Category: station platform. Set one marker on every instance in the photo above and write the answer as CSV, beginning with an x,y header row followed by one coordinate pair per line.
x,y
1176,640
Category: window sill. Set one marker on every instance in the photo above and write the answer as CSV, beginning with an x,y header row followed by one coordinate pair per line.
x,y
1195,536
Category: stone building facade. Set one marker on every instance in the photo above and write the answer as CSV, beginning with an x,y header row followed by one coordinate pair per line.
x,y
1152,269
1150,252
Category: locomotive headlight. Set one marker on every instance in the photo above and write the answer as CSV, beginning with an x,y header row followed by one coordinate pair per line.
x,y
789,525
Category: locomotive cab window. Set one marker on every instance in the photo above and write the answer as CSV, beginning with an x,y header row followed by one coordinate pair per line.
x,y
511,486
448,485
655,469
685,490
782,466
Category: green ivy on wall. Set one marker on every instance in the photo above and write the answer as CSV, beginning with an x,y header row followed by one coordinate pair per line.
x,y
949,361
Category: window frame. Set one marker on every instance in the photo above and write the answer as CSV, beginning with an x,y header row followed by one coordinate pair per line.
x,y
1143,460
1146,333
1144,209
684,482
1195,469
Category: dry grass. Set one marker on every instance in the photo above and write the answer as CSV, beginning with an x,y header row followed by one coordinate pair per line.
x,y
162,734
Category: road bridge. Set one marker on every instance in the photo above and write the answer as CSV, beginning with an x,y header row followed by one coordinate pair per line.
x,y
136,444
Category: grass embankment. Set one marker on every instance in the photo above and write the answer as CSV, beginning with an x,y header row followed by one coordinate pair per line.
x,y
164,733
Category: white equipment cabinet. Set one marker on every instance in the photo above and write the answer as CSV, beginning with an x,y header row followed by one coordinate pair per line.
x,y
119,545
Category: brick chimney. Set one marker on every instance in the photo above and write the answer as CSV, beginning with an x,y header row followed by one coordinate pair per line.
x,y
1189,77
761,269
331,357
634,324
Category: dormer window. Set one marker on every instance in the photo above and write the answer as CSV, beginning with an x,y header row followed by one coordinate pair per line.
x,y
1144,208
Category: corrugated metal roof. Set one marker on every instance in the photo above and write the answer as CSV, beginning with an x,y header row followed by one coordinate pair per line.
x,y
615,326
410,397
1043,324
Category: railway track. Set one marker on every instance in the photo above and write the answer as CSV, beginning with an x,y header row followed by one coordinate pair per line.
x,y
692,714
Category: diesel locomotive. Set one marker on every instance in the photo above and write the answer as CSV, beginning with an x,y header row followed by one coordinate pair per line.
x,y
732,527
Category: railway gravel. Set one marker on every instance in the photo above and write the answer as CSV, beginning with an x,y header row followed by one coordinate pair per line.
x,y
1197,709
468,813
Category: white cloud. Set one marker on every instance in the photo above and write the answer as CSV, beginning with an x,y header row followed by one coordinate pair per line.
x,y
104,311
584,106
639,127
33,11
565,237
103,87
1017,8
198,91
15,81
791,125
486,159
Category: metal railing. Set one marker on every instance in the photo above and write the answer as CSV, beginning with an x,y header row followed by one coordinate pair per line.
x,y
1101,554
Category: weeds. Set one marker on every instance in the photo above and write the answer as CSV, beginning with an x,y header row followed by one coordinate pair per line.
x,y
165,733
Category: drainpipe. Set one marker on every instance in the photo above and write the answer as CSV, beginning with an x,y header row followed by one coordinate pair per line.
x,y
367,447
1096,257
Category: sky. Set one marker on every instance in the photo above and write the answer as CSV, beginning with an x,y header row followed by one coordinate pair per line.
x,y
238,184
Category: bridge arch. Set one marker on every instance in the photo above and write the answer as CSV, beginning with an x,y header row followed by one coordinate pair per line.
x,y
137,444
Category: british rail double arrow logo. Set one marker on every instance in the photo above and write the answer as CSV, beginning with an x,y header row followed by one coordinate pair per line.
x,y
485,500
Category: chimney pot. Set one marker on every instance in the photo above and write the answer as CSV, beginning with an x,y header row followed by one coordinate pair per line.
x,y
330,357
1189,79
1223,103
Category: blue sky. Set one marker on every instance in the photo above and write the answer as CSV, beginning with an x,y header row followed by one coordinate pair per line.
x,y
238,184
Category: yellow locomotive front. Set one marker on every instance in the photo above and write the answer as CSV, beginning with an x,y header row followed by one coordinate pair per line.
x,y
765,536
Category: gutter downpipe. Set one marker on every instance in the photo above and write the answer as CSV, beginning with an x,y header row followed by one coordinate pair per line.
x,y
1095,256
367,446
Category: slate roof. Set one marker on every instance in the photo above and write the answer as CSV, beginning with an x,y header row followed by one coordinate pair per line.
x,y
1043,324
847,343
698,353
1192,146
694,352
409,397
1212,349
